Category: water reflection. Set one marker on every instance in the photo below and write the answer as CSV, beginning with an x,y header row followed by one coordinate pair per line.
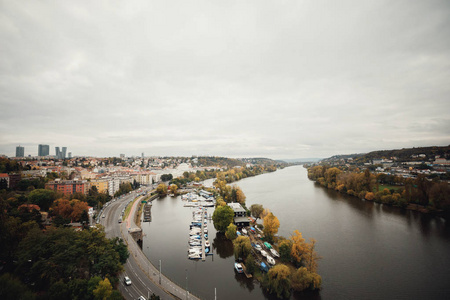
x,y
223,246
244,281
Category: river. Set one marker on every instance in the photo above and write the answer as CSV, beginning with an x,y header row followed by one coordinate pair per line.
x,y
369,251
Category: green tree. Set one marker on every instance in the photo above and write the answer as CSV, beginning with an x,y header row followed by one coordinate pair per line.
x,y
103,290
231,232
256,210
279,281
222,217
13,288
285,248
242,247
161,189
59,290
303,279
250,264
121,249
42,197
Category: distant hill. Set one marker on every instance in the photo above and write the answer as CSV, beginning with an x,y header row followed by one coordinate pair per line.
x,y
234,162
401,155
301,160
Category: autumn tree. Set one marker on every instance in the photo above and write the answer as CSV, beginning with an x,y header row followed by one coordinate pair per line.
x,y
220,202
310,256
62,207
271,225
298,246
161,189
256,210
242,247
303,279
231,232
222,217
279,281
103,290
77,209
174,189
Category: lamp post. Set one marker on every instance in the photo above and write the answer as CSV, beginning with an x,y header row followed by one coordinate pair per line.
x,y
186,284
159,271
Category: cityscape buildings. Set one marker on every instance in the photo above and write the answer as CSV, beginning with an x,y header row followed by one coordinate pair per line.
x,y
43,150
20,151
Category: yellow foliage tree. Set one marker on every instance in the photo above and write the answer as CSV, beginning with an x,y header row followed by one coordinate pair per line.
x,y
271,225
103,290
310,256
298,246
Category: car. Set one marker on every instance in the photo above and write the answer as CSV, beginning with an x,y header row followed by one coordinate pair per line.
x,y
141,298
127,280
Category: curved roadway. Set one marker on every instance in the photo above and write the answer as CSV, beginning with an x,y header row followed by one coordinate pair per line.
x,y
144,283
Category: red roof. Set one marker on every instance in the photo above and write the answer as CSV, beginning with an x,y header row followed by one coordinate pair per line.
x,y
4,175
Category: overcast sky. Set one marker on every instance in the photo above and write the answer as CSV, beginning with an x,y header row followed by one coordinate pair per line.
x,y
279,79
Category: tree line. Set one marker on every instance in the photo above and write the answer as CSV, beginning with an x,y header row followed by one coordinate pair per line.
x,y
433,194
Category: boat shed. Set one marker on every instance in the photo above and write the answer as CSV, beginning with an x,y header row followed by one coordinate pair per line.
x,y
241,221
240,215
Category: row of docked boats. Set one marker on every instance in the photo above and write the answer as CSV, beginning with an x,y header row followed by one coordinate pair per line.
x,y
265,252
194,200
198,235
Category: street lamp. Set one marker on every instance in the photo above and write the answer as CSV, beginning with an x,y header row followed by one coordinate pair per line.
x,y
186,284
159,271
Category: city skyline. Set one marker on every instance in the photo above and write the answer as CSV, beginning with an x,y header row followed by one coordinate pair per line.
x,y
278,80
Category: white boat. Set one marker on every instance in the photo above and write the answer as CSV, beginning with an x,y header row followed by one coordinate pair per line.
x,y
270,260
264,253
244,231
258,247
207,244
195,256
274,252
238,268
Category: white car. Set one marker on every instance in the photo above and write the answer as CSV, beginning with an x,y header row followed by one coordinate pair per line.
x,y
127,280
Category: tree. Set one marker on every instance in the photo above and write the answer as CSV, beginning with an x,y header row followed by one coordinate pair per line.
x,y
271,225
285,249
240,196
310,256
301,279
278,281
298,246
161,189
231,232
62,208
250,264
13,288
42,197
77,209
173,189
256,210
103,290
222,217
242,247
120,248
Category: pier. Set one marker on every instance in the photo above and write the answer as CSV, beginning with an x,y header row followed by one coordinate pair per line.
x,y
203,239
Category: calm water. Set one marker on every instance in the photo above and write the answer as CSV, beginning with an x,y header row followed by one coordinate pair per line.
x,y
369,251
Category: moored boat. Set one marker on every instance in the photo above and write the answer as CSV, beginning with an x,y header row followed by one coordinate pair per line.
x,y
274,252
270,260
238,268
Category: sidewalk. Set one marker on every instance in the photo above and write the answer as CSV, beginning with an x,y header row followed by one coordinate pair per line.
x,y
145,265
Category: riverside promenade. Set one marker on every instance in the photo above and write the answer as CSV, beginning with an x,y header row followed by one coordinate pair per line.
x,y
144,264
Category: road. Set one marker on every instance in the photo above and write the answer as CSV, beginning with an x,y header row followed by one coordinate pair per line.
x,y
144,276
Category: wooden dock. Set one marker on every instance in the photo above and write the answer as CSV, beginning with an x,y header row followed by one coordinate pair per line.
x,y
203,239
245,271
